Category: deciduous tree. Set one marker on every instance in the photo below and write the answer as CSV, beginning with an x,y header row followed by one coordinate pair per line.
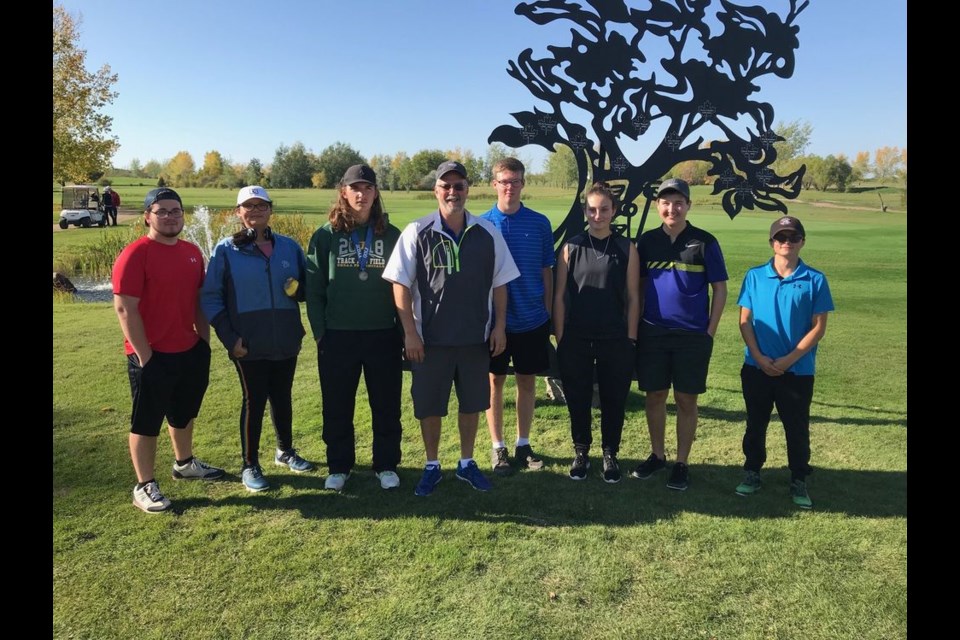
x,y
179,171
797,134
82,144
561,169
152,169
211,174
861,166
253,174
886,162
293,167
382,165
335,160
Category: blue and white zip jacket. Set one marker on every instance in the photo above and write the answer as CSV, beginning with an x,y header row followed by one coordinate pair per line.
x,y
242,297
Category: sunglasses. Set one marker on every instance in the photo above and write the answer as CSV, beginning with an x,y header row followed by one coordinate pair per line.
x,y
793,238
456,186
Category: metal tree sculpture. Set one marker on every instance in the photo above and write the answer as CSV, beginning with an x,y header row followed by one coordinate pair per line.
x,y
600,73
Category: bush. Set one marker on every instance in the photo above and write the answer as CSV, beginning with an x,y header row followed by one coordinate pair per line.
x,y
294,226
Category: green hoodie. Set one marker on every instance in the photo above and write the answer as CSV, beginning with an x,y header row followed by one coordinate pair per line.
x,y
337,298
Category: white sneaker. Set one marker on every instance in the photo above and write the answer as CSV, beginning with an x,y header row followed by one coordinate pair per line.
x,y
149,498
336,481
389,479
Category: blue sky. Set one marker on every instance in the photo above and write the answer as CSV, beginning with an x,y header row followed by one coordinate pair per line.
x,y
243,77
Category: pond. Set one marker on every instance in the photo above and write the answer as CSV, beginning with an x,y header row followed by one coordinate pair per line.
x,y
92,290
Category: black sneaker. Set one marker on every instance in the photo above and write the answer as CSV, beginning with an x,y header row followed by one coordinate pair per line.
x,y
525,457
611,468
581,464
648,467
501,464
679,477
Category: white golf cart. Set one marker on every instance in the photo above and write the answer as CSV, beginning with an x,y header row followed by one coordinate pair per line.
x,y
82,207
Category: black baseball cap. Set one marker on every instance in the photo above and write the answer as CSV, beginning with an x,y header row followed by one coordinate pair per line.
x,y
161,193
359,173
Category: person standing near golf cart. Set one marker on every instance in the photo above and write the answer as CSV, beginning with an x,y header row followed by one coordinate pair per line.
x,y
156,284
783,316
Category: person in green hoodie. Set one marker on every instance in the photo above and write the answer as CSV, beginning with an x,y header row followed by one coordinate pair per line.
x,y
354,321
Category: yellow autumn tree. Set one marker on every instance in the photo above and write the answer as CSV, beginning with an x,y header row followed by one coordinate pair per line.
x,y
886,162
82,144
179,170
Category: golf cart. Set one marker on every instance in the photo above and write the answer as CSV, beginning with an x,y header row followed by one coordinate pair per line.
x,y
82,207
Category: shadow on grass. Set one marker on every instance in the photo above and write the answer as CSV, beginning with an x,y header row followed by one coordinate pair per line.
x,y
548,498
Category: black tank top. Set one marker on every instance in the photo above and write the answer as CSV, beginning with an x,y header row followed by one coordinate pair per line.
x,y
596,295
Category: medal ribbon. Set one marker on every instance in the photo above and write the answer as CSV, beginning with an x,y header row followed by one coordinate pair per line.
x,y
363,255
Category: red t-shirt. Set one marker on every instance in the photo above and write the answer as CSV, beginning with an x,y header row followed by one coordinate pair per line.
x,y
166,279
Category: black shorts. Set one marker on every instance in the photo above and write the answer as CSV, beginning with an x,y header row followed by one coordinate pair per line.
x,y
673,356
171,386
530,351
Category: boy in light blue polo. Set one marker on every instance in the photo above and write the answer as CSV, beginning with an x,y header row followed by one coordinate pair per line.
x,y
783,316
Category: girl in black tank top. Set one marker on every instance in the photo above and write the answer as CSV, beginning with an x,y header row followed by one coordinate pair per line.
x,y
596,312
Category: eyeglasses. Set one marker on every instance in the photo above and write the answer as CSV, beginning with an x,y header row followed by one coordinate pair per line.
x,y
168,213
792,238
456,186
258,206
510,183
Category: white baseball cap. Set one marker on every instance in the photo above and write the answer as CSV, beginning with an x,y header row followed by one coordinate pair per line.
x,y
254,191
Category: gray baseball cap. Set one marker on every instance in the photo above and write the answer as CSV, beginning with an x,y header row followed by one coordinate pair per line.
x,y
450,165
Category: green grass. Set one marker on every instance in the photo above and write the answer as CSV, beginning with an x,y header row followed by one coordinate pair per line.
x,y
539,556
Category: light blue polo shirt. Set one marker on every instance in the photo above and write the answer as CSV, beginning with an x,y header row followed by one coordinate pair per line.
x,y
783,310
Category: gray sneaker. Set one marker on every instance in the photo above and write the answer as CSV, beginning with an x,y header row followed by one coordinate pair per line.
x,y
292,460
196,468
500,462
149,499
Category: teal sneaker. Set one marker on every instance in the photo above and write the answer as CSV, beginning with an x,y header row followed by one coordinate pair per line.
x,y
750,485
798,492
253,479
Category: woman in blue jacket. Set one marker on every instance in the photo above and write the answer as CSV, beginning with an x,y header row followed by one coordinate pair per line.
x,y
251,296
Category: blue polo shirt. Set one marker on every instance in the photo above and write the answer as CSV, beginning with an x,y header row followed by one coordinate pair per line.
x,y
676,277
783,310
530,239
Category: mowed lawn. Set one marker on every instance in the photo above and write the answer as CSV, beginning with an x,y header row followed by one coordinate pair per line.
x,y
540,556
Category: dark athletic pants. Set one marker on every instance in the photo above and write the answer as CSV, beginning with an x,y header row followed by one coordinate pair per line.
x,y
263,380
792,395
614,359
341,356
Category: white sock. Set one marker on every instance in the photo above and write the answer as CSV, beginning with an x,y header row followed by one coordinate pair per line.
x,y
433,463
522,441
498,445
464,462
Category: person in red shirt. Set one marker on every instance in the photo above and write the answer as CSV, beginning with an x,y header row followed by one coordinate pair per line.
x,y
156,285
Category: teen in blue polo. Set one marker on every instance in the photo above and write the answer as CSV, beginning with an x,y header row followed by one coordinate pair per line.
x,y
783,316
